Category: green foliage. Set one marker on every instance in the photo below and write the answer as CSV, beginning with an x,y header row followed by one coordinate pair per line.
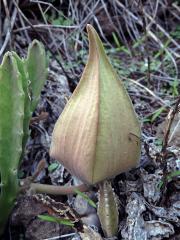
x,y
176,32
49,218
86,198
116,40
59,20
20,86
158,142
136,64
52,167
155,115
174,87
169,178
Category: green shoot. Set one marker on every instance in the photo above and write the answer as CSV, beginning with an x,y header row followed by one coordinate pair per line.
x,y
83,195
157,113
116,40
169,178
52,167
49,218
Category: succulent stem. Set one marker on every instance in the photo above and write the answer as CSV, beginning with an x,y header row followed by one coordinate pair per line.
x,y
21,82
11,133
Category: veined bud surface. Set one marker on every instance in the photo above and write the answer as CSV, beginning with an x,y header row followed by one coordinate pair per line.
x,y
97,136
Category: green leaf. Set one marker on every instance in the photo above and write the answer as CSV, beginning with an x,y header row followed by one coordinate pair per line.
x,y
174,86
158,142
157,113
49,218
52,167
116,40
160,184
173,174
169,177
83,195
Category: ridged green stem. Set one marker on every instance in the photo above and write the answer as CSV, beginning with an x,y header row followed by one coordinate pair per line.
x,y
21,81
11,133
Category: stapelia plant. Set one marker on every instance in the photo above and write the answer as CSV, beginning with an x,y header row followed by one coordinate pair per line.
x,y
21,81
98,134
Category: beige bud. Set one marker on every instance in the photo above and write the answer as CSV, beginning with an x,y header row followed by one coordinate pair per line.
x,y
97,136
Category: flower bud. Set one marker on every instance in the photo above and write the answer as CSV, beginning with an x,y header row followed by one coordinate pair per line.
x,y
97,135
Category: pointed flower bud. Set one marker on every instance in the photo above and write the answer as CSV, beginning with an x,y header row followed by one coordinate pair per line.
x,y
97,135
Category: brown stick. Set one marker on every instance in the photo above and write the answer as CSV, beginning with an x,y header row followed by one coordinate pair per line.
x,y
57,190
28,185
